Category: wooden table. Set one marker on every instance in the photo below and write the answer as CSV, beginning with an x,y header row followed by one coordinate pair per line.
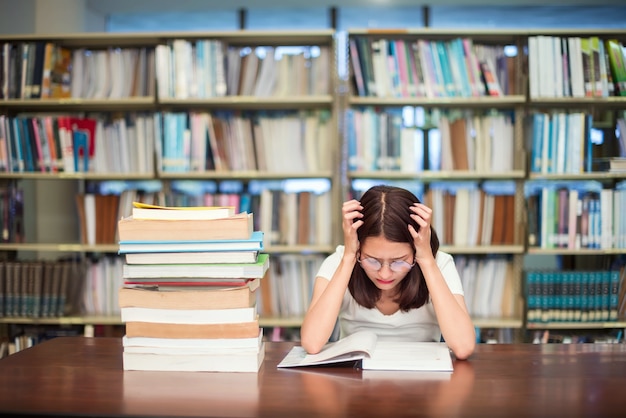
x,y
84,377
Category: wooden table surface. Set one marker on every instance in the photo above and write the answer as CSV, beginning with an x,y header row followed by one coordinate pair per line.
x,y
76,376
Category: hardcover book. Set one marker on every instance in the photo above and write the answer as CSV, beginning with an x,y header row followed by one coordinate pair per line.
x,y
147,211
205,271
237,227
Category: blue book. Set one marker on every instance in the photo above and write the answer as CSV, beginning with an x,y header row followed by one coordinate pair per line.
x,y
254,243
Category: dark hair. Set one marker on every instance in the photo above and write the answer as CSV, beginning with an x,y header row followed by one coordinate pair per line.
x,y
386,213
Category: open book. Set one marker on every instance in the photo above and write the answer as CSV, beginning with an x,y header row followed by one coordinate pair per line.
x,y
375,355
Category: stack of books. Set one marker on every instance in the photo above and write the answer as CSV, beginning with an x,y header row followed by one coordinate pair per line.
x,y
189,296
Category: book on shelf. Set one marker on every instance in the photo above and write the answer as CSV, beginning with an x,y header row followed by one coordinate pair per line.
x,y
193,257
188,316
148,211
375,354
254,243
238,226
202,271
186,331
182,361
190,297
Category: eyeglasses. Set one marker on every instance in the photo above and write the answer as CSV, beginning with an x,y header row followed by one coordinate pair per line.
x,y
398,266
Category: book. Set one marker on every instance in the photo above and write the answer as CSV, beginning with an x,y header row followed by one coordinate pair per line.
x,y
195,345
193,257
375,355
206,297
242,361
239,226
186,331
148,211
254,243
205,271
188,316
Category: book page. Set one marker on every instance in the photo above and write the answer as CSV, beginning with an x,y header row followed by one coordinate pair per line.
x,y
422,356
353,347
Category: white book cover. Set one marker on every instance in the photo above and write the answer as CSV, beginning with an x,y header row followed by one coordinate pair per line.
x,y
192,344
188,316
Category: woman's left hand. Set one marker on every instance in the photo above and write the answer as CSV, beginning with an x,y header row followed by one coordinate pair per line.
x,y
422,214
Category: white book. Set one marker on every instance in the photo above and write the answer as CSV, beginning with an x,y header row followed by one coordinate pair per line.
x,y
248,361
199,345
375,354
188,316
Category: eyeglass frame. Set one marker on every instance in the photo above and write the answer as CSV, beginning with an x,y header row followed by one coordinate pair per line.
x,y
383,263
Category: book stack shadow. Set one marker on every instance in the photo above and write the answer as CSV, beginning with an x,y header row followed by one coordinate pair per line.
x,y
189,298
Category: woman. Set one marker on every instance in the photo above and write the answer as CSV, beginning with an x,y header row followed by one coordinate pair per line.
x,y
389,277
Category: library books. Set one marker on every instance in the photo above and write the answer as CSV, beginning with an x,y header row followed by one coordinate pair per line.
x,y
200,271
195,345
201,331
226,361
375,355
239,226
147,211
254,243
188,316
193,257
190,297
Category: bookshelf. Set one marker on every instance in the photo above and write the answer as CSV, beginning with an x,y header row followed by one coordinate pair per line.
x,y
172,68
353,112
421,115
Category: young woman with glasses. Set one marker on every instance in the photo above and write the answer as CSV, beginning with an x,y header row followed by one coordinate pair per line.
x,y
389,277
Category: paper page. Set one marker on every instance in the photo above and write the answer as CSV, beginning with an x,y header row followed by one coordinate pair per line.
x,y
423,356
353,347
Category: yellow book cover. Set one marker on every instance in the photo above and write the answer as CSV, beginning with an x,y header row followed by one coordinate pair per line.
x,y
148,211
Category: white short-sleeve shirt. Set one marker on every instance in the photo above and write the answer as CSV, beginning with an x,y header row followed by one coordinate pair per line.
x,y
415,325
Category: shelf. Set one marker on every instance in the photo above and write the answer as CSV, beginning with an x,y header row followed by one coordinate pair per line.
x,y
578,101
483,101
31,175
596,175
78,104
483,249
427,176
252,102
242,175
576,325
581,251
242,37
498,323
65,247
263,321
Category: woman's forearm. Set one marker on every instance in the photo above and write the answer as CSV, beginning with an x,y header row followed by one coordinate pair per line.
x,y
454,320
322,314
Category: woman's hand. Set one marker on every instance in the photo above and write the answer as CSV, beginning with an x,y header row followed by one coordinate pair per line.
x,y
422,214
351,221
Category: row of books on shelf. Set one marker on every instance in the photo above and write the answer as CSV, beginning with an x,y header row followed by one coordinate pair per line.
x,y
207,68
246,141
78,144
45,70
290,218
575,215
469,213
180,142
576,66
489,286
40,289
576,296
379,140
564,143
388,67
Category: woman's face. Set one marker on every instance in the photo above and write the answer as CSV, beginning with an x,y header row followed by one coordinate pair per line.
x,y
385,262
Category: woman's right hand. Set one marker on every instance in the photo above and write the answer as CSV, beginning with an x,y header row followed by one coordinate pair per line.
x,y
351,221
